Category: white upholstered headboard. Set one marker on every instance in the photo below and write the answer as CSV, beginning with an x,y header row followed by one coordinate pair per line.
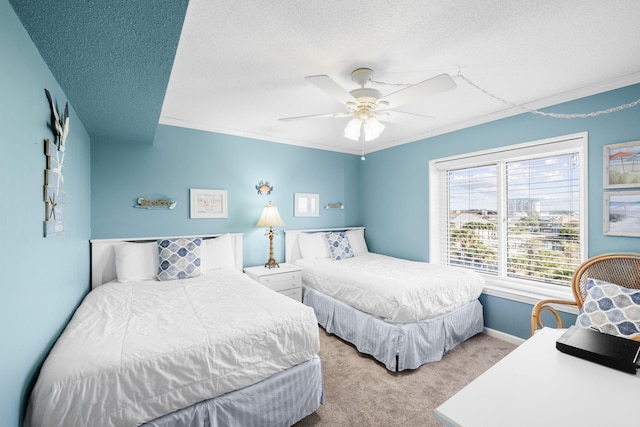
x,y
103,257
291,247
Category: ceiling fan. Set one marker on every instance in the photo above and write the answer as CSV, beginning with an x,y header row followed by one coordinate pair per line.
x,y
366,105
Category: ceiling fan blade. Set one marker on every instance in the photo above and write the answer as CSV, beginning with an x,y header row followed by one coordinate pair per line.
x,y
315,116
418,91
402,117
408,113
329,86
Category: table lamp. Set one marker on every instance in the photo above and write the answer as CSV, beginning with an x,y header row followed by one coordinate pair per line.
x,y
270,218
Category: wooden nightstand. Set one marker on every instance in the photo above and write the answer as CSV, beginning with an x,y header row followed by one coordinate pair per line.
x,y
286,280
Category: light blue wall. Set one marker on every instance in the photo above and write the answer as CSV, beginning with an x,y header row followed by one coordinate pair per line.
x,y
180,159
399,176
43,279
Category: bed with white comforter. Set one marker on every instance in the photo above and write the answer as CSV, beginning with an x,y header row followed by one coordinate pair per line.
x,y
404,313
393,289
136,351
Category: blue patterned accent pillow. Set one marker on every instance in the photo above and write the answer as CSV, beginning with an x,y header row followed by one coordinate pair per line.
x,y
179,258
612,309
339,246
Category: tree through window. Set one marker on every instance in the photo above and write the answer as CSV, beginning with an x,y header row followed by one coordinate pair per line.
x,y
515,213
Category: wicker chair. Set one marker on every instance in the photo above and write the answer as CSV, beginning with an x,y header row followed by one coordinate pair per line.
x,y
621,269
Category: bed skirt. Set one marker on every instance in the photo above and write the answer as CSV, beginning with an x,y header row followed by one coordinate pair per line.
x,y
280,400
398,346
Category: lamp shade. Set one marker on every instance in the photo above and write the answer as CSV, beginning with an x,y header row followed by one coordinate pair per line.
x,y
371,126
372,129
352,131
270,217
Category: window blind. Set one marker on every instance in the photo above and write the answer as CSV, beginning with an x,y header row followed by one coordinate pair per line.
x,y
471,218
543,217
518,215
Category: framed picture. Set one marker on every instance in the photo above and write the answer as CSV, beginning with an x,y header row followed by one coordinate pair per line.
x,y
622,213
208,203
307,204
622,165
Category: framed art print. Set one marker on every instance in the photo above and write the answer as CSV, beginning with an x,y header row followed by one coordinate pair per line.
x,y
622,213
307,204
622,165
208,203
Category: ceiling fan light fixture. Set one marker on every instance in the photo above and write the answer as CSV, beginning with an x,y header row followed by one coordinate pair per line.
x,y
372,129
352,131
365,104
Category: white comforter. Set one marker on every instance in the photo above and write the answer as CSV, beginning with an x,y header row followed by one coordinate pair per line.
x,y
396,290
135,351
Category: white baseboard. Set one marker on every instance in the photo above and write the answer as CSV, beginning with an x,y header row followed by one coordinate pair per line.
x,y
503,336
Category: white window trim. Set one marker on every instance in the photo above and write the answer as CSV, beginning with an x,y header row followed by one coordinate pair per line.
x,y
505,287
527,293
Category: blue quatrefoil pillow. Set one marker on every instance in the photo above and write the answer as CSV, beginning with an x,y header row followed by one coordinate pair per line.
x,y
179,258
611,309
339,246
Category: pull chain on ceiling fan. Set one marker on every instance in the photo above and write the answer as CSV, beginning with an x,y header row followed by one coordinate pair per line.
x,y
366,106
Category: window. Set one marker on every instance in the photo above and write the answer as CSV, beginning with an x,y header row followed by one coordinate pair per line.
x,y
516,214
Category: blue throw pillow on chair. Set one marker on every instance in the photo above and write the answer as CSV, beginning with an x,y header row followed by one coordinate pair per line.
x,y
611,309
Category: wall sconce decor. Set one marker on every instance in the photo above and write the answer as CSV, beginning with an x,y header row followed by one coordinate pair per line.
x,y
332,206
264,188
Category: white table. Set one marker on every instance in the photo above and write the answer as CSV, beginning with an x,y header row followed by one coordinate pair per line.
x,y
286,279
537,385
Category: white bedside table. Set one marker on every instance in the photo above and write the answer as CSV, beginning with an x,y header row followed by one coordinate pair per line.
x,y
287,279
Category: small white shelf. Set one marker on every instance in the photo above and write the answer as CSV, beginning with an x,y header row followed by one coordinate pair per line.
x,y
334,206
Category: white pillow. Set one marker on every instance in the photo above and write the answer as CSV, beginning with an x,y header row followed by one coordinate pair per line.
x,y
136,261
217,253
313,246
357,242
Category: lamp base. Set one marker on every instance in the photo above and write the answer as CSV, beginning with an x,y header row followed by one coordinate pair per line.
x,y
272,264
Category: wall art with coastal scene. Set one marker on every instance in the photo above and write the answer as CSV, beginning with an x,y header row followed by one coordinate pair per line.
x,y
208,203
622,213
622,165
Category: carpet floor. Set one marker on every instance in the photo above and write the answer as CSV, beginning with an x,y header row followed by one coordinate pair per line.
x,y
360,391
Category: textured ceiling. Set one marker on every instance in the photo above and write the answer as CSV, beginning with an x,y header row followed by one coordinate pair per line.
x,y
112,58
240,65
